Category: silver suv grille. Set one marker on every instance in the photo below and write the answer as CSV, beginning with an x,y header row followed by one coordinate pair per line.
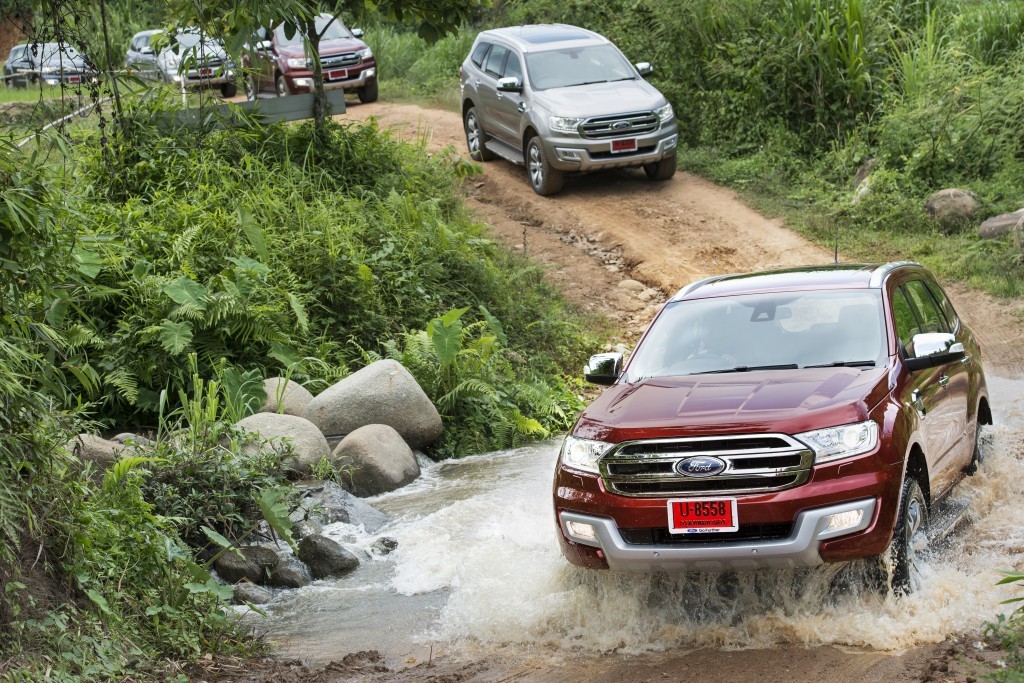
x,y
753,464
343,59
619,125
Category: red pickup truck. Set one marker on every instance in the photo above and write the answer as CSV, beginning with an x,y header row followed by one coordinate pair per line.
x,y
776,419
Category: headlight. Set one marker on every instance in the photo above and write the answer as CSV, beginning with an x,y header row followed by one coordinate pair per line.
x,y
665,113
296,62
564,124
50,69
583,454
365,53
846,441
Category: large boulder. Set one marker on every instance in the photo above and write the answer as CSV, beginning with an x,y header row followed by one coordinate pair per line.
x,y
1000,225
308,443
952,208
327,502
233,568
326,557
381,393
92,448
246,592
290,573
375,459
285,396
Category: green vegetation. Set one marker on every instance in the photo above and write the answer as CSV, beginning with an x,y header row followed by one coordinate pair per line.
x,y
1008,632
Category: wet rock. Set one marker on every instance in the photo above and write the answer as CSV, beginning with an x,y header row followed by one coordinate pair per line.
x,y
327,503
952,208
263,557
326,557
381,393
307,442
233,568
246,592
290,573
384,545
130,439
1000,225
91,448
632,286
374,459
285,396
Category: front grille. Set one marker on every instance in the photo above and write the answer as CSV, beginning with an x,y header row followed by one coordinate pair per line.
x,y
752,464
619,125
617,155
746,532
339,60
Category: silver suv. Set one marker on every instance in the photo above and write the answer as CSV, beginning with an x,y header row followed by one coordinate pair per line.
x,y
560,98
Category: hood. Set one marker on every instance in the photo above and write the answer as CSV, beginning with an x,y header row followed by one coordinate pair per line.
x,y
73,62
598,99
787,401
327,47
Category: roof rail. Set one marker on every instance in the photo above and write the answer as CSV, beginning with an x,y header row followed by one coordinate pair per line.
x,y
883,271
693,286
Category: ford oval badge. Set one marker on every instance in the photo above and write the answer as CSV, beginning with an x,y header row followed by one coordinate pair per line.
x,y
621,125
700,466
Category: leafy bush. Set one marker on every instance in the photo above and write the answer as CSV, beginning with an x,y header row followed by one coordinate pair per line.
x,y
1008,632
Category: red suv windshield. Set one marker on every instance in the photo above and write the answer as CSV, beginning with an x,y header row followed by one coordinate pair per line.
x,y
754,331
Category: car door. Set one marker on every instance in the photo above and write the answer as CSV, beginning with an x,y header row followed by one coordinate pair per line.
x,y
509,106
20,66
487,91
944,394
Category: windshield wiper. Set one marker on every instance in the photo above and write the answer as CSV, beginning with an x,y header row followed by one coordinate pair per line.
x,y
845,364
587,83
750,368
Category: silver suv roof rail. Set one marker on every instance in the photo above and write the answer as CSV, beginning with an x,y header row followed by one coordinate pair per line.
x,y
693,286
883,271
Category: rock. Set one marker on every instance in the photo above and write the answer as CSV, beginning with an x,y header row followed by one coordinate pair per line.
x,y
384,545
129,439
326,557
327,503
374,459
91,448
290,573
232,568
306,527
1000,225
285,396
864,172
381,393
862,191
952,208
246,592
263,557
649,294
308,444
632,286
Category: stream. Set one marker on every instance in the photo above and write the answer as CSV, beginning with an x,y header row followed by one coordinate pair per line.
x,y
477,568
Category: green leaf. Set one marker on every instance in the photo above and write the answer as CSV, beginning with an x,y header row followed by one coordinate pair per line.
x,y
447,340
254,232
276,514
285,355
300,312
88,263
221,541
175,337
99,600
187,292
250,266
495,325
120,469
453,315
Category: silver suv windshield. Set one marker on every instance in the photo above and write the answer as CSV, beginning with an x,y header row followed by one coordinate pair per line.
x,y
568,67
782,330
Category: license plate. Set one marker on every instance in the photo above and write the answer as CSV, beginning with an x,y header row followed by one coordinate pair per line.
x,y
74,79
702,515
337,74
206,72
627,145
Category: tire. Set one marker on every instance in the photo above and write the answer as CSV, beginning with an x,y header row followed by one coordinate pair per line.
x,y
661,170
281,86
543,179
908,539
252,89
228,89
978,456
368,93
475,137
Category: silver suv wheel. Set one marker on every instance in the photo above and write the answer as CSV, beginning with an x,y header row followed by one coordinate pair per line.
x,y
475,137
543,179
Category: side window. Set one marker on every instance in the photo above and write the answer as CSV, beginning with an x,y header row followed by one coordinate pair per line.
x,y
17,53
906,323
930,317
478,54
513,68
495,62
944,303
135,46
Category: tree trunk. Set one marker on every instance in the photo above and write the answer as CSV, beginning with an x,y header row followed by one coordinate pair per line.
x,y
319,94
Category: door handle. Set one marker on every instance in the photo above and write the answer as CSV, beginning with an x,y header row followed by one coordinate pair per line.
x,y
943,380
478,82
521,107
966,360
915,400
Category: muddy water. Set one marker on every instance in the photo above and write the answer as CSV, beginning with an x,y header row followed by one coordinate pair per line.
x,y
478,566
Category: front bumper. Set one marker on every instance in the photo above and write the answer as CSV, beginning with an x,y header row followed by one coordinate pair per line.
x,y
304,82
576,153
801,549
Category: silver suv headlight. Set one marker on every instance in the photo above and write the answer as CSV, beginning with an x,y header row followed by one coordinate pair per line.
x,y
296,62
583,454
665,114
565,124
846,441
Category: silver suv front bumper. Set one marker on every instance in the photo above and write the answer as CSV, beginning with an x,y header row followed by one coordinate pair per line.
x,y
799,550
580,154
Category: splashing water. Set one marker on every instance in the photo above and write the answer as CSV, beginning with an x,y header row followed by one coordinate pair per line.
x,y
478,561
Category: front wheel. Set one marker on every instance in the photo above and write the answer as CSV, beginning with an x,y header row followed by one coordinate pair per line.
x,y
368,93
228,89
543,179
909,540
661,170
281,86
475,137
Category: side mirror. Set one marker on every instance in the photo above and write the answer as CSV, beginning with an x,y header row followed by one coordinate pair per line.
x,y
644,69
603,368
357,32
510,84
931,349
264,46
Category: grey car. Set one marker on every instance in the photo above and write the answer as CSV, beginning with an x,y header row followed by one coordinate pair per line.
x,y
141,56
560,99
50,63
193,60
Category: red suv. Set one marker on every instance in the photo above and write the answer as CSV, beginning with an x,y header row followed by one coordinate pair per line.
x,y
776,419
279,62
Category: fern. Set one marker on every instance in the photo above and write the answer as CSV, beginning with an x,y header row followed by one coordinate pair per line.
x,y
126,383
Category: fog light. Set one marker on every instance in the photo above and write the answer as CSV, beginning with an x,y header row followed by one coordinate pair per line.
x,y
370,73
568,154
581,531
671,143
844,520
303,82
